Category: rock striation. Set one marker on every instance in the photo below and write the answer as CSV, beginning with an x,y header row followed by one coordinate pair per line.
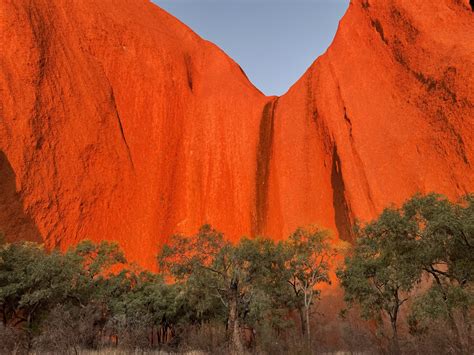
x,y
118,122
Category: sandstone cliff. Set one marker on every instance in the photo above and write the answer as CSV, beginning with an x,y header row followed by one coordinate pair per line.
x,y
118,122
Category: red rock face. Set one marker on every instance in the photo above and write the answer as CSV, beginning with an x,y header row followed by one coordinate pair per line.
x,y
118,122
386,112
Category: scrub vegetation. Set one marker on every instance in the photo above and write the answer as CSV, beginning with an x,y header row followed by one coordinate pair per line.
x,y
405,286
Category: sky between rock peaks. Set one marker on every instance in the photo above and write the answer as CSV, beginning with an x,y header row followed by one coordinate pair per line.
x,y
274,41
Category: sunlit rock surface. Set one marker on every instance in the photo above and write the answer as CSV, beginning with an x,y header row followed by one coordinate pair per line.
x,y
118,122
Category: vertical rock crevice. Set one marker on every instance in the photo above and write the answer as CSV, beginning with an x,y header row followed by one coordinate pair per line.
x,y
355,154
264,153
342,213
378,27
122,132
189,71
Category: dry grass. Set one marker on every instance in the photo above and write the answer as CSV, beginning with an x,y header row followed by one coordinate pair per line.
x,y
125,352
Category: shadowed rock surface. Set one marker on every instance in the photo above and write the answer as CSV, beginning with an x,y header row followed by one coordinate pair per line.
x,y
118,122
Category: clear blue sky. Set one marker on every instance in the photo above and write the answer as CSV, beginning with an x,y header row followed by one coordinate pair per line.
x,y
274,41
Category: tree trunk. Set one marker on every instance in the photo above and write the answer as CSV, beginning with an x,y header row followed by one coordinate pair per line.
x,y
308,327
455,330
308,295
452,322
303,321
395,343
29,332
233,324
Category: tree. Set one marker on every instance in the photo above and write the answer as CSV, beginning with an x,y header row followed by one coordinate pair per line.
x,y
380,274
97,261
237,277
445,252
96,284
309,254
31,282
263,267
148,305
206,263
